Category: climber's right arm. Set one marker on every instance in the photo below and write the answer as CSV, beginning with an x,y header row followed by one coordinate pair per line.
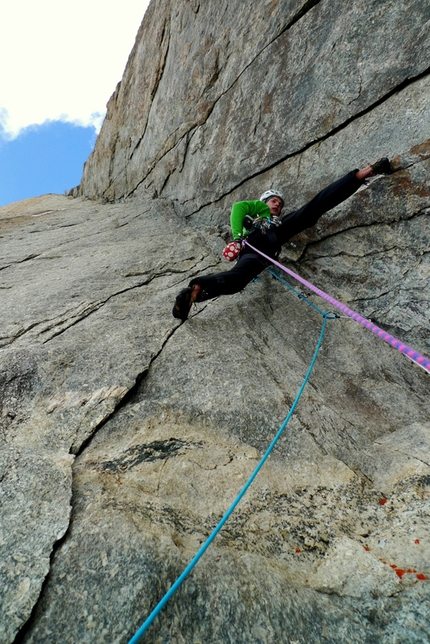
x,y
241,209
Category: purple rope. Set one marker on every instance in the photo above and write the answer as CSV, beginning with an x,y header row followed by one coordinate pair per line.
x,y
413,355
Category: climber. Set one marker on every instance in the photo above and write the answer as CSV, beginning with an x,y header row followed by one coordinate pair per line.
x,y
261,223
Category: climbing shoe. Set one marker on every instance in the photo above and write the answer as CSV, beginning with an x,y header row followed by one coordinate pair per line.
x,y
382,166
183,304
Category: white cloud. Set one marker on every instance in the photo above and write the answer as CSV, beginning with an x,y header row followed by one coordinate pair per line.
x,y
62,61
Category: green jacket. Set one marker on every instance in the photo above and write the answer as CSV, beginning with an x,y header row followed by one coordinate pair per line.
x,y
242,208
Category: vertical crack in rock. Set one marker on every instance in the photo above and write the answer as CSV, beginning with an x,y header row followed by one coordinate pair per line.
x,y
154,90
154,451
310,4
126,399
56,547
190,133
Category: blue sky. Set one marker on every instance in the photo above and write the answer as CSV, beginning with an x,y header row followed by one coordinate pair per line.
x,y
63,64
42,159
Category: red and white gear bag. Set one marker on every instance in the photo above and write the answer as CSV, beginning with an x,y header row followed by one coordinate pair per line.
x,y
232,250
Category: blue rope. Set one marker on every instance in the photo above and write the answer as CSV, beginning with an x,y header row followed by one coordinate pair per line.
x,y
231,509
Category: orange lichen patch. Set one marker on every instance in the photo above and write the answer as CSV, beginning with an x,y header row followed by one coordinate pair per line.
x,y
400,572
423,149
298,550
367,549
405,186
416,541
382,501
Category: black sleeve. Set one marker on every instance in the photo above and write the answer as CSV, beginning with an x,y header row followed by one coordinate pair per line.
x,y
307,216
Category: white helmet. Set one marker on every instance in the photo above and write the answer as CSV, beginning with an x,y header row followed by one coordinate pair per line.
x,y
271,193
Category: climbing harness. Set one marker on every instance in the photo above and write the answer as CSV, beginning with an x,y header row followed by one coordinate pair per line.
x,y
410,353
159,607
265,223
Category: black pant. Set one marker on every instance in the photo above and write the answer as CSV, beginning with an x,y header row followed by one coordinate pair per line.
x,y
250,264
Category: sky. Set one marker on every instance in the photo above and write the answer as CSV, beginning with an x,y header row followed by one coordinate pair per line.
x,y
60,64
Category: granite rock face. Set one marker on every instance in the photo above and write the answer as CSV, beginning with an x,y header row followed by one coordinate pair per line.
x,y
126,435
217,101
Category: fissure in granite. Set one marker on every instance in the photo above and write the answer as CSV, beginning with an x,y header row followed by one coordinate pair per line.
x,y
297,153
370,103
188,135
